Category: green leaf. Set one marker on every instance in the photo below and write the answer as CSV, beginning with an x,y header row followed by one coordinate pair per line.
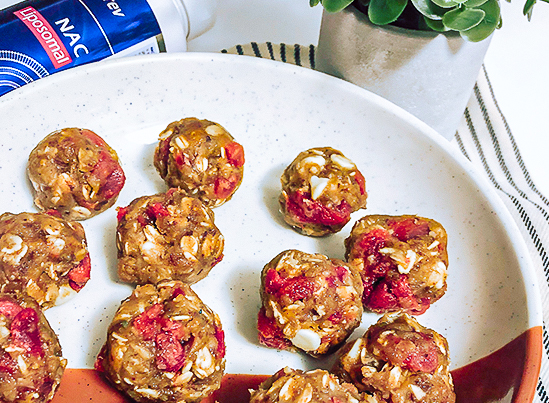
x,y
528,8
491,21
382,12
462,18
335,6
429,9
313,3
446,3
435,25
474,3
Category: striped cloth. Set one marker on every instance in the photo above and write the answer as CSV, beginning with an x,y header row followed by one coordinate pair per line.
x,y
484,137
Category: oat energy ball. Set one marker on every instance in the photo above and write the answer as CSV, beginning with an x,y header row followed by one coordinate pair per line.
x,y
42,256
398,361
167,236
309,302
320,190
31,364
201,158
295,386
402,259
75,172
164,345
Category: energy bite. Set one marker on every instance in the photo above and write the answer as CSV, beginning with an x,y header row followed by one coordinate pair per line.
x,y
296,386
75,172
164,345
402,259
42,256
31,364
309,302
320,190
167,236
398,361
202,158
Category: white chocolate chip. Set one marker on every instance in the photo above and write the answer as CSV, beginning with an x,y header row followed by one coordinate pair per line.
x,y
214,130
14,243
315,160
354,352
418,392
342,161
394,376
306,339
438,275
65,293
317,186
284,392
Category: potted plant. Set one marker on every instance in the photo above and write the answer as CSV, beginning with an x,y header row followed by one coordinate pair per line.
x,y
423,55
475,20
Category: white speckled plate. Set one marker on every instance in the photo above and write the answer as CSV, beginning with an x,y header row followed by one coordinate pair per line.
x,y
275,110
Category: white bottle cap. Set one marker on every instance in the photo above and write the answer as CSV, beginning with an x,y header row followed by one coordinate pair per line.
x,y
201,15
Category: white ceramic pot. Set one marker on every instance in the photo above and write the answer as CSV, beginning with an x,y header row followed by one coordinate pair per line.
x,y
429,74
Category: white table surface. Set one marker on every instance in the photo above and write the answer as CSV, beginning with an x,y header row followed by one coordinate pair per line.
x,y
517,60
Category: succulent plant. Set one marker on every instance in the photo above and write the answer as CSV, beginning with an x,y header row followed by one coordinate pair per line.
x,y
475,20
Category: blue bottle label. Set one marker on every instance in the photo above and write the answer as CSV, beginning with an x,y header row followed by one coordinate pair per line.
x,y
41,37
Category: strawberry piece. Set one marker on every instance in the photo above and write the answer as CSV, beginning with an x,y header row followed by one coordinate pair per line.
x,y
25,333
341,273
94,138
110,175
393,295
224,187
417,352
273,282
235,154
80,274
360,181
9,309
121,213
295,288
174,327
53,213
298,288
220,337
409,228
304,210
380,298
177,291
156,210
98,365
336,317
269,334
371,242
7,364
148,323
170,355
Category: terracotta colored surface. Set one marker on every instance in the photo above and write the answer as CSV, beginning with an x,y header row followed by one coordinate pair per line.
x,y
507,375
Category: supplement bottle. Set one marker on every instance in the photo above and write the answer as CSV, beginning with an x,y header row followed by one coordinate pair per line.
x,y
42,37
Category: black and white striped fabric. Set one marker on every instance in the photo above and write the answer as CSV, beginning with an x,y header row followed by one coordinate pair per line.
x,y
485,138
